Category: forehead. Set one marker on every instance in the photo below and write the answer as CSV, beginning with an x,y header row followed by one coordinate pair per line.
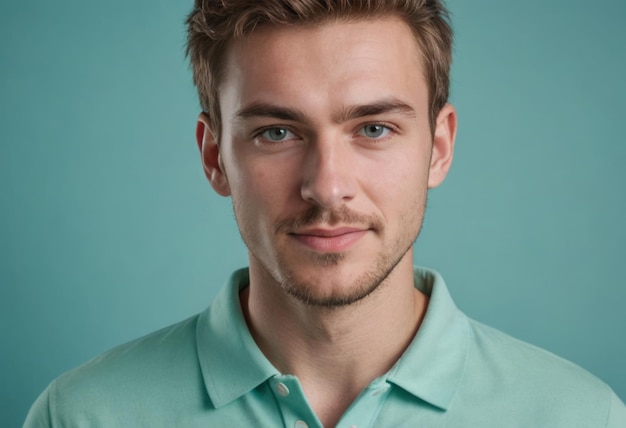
x,y
326,64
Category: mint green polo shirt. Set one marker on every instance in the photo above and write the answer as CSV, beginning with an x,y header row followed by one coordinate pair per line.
x,y
207,371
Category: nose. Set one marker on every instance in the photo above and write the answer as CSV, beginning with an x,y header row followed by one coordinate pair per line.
x,y
328,178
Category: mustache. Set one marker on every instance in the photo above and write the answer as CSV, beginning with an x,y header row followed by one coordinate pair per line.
x,y
317,215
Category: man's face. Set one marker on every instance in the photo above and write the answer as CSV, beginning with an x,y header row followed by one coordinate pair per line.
x,y
326,151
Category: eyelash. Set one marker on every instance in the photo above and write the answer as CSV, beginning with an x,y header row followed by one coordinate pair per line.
x,y
390,128
258,134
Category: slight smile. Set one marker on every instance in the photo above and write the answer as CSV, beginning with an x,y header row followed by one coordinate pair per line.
x,y
330,240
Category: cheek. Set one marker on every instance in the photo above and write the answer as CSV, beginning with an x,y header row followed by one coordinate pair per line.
x,y
400,193
402,173
262,187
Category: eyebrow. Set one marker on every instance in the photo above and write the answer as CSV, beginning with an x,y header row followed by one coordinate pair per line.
x,y
271,111
260,110
380,107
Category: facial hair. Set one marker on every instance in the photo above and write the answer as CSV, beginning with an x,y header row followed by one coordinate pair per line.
x,y
306,290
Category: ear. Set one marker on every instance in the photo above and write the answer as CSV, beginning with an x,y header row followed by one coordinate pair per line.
x,y
443,146
211,158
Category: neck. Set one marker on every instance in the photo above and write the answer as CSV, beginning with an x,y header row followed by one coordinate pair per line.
x,y
335,352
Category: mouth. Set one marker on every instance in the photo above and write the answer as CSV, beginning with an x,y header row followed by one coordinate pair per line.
x,y
330,240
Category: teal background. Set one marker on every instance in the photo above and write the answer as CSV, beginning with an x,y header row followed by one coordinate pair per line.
x,y
108,229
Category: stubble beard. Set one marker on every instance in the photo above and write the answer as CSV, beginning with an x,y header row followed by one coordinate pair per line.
x,y
307,291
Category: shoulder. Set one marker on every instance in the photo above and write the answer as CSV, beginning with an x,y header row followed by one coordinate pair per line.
x,y
129,362
517,375
494,350
159,369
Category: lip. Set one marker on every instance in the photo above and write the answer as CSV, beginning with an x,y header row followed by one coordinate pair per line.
x,y
330,240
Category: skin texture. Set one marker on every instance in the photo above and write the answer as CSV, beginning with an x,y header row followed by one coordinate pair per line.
x,y
327,153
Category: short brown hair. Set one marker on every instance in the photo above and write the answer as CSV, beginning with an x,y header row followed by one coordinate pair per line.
x,y
213,23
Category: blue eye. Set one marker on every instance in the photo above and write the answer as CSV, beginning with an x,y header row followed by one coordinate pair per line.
x,y
277,134
374,131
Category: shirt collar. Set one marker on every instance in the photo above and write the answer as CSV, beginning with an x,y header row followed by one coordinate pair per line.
x,y
431,368
232,364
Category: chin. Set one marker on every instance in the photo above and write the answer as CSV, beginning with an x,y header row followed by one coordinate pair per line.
x,y
329,284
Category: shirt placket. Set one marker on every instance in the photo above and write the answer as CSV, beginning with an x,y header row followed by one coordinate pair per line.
x,y
363,412
292,402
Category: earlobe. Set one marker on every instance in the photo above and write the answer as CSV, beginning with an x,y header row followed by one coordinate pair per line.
x,y
211,158
443,145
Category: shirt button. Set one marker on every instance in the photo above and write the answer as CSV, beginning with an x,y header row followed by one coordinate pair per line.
x,y
282,389
301,424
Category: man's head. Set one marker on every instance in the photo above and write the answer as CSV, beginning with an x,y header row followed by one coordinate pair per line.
x,y
213,24
327,146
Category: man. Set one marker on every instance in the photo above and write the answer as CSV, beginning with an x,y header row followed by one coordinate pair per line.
x,y
327,122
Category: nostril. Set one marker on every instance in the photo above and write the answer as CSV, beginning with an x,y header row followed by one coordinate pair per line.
x,y
328,191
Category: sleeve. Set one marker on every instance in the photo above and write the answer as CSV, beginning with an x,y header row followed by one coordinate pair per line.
x,y
39,415
617,413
